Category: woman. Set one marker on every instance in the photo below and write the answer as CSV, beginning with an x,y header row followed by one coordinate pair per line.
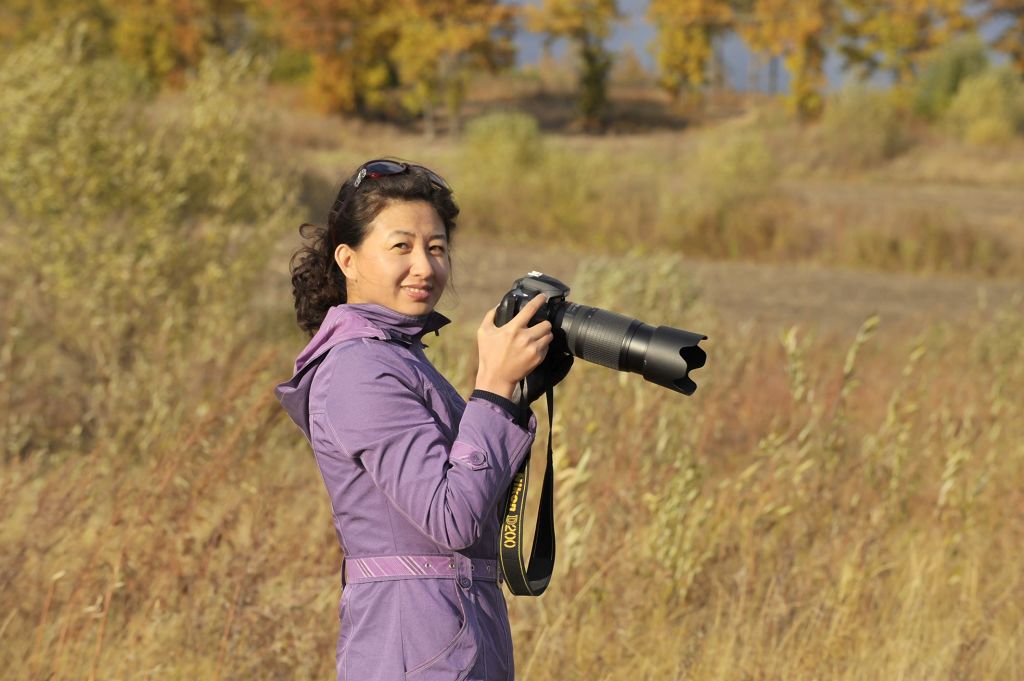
x,y
414,472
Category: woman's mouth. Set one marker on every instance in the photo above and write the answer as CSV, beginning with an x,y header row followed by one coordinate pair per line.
x,y
418,293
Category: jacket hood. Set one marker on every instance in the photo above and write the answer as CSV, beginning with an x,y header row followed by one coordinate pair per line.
x,y
343,323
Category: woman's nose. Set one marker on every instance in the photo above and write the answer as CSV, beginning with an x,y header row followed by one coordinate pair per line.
x,y
421,265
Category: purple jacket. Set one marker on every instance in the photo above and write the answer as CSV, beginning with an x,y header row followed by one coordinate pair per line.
x,y
414,474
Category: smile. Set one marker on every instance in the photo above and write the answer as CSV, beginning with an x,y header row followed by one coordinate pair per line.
x,y
419,294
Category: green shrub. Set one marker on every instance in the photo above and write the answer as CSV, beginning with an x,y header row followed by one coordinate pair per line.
x,y
500,154
861,128
133,239
731,167
516,182
71,133
989,108
945,71
716,213
291,66
218,159
78,143
503,142
519,184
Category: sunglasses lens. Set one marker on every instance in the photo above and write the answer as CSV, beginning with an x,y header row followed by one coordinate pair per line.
x,y
377,169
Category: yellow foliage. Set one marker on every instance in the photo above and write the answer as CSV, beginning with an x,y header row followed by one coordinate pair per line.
x,y
438,43
169,38
348,43
573,19
332,86
684,42
896,35
988,108
799,32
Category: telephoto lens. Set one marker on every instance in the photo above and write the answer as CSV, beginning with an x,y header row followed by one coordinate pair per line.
x,y
662,355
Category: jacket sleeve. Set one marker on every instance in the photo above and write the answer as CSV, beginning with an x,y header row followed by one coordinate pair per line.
x,y
445,480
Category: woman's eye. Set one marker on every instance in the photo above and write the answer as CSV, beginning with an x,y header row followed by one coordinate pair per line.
x,y
437,250
401,245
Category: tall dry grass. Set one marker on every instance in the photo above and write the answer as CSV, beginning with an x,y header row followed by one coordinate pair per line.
x,y
822,508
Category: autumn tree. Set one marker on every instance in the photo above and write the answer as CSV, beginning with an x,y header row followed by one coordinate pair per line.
x,y
165,37
686,30
348,43
895,35
586,24
439,43
799,32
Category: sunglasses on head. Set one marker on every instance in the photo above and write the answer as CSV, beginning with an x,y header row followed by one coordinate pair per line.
x,y
375,170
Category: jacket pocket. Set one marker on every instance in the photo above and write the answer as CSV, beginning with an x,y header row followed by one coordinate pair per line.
x,y
358,613
344,624
438,630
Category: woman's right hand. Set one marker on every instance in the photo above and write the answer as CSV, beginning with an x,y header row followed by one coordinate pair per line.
x,y
508,353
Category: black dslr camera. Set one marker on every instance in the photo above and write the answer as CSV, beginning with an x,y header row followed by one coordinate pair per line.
x,y
662,355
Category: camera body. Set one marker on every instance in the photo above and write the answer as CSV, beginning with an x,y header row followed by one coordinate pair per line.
x,y
662,355
526,289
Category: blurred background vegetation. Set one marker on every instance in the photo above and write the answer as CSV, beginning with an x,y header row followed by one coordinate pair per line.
x,y
840,498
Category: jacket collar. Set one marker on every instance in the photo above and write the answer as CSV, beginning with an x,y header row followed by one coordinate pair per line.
x,y
367,320
396,325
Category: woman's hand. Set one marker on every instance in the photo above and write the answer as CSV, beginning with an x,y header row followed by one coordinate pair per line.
x,y
508,353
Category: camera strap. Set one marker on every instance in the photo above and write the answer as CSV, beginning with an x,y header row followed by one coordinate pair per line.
x,y
534,580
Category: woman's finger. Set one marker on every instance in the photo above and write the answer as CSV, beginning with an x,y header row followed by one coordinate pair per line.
x,y
539,330
528,311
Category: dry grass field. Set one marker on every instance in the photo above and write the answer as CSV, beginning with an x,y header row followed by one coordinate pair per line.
x,y
842,498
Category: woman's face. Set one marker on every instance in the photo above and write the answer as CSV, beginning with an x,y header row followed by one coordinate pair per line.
x,y
402,263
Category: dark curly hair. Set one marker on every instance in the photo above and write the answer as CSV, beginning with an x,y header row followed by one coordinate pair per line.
x,y
318,284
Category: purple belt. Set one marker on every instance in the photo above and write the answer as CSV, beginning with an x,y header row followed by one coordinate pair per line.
x,y
388,568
